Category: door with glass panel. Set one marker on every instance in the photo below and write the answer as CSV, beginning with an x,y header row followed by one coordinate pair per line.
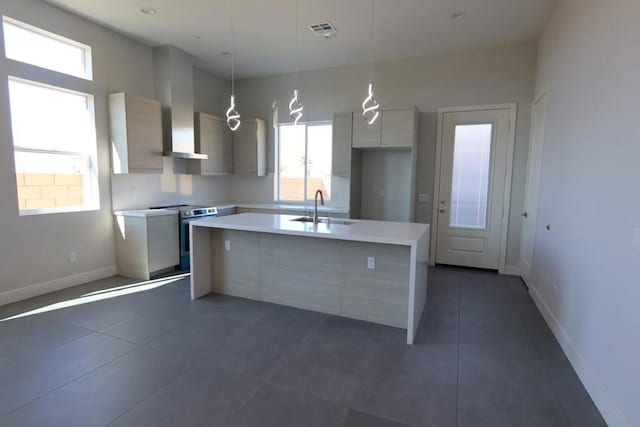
x,y
472,183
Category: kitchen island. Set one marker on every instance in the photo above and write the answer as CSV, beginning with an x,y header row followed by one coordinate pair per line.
x,y
368,270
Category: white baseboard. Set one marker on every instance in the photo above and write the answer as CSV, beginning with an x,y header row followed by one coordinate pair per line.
x,y
511,270
605,404
31,291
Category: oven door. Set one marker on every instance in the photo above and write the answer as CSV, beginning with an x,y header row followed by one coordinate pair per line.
x,y
185,240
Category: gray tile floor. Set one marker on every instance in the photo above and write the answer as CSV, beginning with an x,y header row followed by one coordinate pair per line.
x,y
484,357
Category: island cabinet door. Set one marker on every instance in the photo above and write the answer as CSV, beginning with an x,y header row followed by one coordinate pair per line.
x,y
235,263
301,272
379,294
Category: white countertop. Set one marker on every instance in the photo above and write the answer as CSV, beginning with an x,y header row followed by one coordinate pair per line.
x,y
146,213
288,206
398,233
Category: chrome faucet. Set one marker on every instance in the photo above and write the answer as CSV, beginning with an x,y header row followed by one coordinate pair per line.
x,y
316,220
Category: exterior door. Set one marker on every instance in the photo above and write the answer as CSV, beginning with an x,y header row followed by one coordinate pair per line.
x,y
473,168
530,214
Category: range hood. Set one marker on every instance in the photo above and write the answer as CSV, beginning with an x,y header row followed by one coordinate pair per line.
x,y
173,78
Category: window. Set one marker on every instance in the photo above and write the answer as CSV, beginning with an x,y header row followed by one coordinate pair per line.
x,y
54,147
31,45
304,161
471,166
54,133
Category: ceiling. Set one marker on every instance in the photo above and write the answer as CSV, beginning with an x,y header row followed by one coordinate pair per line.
x,y
265,43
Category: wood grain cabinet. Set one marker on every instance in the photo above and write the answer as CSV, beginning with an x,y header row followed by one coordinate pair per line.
x,y
398,128
213,138
250,148
364,134
136,134
146,245
393,129
341,153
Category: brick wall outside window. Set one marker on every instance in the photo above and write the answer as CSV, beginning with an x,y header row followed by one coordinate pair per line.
x,y
46,190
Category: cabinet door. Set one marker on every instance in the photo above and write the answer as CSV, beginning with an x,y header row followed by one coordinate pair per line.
x,y
250,148
364,134
341,153
398,128
214,138
162,242
144,134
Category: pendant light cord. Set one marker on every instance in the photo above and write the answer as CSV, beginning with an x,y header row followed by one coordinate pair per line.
x,y
297,45
233,53
373,36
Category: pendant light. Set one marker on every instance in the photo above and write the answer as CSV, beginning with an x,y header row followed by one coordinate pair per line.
x,y
233,117
295,106
370,107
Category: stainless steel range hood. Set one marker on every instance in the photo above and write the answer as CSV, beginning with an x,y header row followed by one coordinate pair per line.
x,y
173,76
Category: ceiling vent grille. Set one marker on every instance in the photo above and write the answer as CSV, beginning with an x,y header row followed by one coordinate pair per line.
x,y
325,29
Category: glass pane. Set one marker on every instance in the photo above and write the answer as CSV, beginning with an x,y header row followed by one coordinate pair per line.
x,y
49,181
45,118
291,153
470,184
48,51
319,160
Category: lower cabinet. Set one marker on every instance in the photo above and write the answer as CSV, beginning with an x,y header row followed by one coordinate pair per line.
x,y
146,245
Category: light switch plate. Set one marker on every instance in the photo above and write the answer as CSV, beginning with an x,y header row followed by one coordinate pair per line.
x,y
636,239
227,245
371,263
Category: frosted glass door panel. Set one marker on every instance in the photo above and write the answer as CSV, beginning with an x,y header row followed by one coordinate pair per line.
x,y
471,175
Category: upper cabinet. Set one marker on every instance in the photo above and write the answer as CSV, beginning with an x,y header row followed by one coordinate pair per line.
x,y
341,153
213,138
250,148
398,128
393,129
364,134
136,134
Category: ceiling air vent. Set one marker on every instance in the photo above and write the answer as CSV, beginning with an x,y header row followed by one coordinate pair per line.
x,y
326,30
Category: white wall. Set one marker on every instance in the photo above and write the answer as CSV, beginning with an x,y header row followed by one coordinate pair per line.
x,y
486,76
589,59
35,249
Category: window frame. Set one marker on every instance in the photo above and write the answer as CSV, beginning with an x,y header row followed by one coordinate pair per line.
x,y
87,50
276,196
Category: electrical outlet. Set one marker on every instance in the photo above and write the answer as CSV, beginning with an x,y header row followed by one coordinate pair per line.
x,y
227,245
424,198
636,239
73,257
371,263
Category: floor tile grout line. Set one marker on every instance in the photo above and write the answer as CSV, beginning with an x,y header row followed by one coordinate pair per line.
x,y
67,383
155,392
539,358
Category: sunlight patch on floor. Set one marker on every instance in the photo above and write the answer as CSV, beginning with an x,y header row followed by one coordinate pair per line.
x,y
103,294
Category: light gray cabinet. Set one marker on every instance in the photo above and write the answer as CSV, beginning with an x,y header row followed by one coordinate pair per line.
x,y
364,134
213,138
146,245
136,134
341,153
398,128
250,148
393,129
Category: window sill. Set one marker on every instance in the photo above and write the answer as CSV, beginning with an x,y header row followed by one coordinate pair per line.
x,y
31,212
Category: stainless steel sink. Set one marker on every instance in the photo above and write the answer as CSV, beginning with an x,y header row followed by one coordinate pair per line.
x,y
328,221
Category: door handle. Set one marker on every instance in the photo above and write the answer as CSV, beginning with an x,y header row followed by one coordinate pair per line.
x,y
524,214
441,210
